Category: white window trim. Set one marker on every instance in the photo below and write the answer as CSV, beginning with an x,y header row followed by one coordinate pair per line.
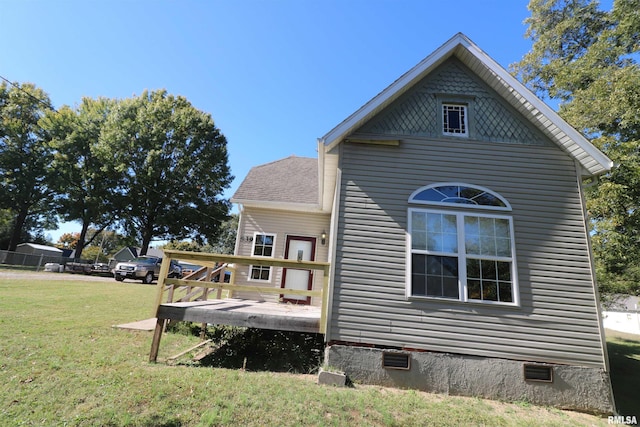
x,y
253,248
462,256
457,205
463,105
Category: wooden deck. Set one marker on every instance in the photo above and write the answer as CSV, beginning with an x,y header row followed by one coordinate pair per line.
x,y
247,313
203,297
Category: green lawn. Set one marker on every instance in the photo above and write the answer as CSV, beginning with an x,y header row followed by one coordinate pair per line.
x,y
62,363
624,358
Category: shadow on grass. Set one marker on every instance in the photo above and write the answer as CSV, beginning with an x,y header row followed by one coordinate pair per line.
x,y
261,349
624,359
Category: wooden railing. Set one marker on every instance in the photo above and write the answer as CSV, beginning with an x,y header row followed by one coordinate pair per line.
x,y
217,264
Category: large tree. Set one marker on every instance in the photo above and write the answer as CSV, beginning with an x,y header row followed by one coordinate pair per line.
x,y
225,243
585,59
84,183
173,164
25,158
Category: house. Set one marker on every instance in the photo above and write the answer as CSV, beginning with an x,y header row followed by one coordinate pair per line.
x,y
622,314
451,211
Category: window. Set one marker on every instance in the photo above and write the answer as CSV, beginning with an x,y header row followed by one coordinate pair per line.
x,y
454,119
463,255
263,245
454,194
260,272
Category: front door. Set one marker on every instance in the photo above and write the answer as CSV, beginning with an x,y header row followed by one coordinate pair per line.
x,y
302,249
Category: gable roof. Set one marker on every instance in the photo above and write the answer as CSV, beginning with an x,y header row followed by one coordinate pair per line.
x,y
593,161
128,253
290,182
39,247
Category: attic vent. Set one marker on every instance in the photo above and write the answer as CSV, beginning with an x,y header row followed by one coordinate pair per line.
x,y
395,360
540,373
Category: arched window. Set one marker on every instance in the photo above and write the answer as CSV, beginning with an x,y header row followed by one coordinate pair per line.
x,y
456,193
466,254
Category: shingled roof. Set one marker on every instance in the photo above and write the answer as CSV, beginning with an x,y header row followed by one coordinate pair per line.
x,y
290,180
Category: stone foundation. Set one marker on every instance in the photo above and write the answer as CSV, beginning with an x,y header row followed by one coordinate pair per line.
x,y
572,387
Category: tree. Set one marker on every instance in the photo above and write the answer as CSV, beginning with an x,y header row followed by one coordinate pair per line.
x,y
173,165
25,182
585,58
84,184
67,241
111,241
225,243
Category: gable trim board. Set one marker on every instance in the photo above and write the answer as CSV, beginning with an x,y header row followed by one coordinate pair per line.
x,y
364,184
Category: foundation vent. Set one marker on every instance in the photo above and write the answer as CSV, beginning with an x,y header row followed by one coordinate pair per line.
x,y
396,360
542,373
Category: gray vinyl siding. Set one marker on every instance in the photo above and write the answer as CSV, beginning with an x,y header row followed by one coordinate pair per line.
x,y
282,224
557,318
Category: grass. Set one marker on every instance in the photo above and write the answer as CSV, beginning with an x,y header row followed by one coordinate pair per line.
x,y
62,363
624,358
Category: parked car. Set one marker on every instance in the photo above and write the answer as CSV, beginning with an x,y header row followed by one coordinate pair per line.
x,y
145,268
100,269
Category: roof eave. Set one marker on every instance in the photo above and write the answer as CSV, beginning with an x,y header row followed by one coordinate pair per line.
x,y
541,111
276,205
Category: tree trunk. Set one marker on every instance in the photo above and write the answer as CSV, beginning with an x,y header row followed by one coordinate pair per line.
x,y
147,234
18,225
81,239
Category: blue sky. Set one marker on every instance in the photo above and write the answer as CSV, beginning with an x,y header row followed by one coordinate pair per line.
x,y
274,74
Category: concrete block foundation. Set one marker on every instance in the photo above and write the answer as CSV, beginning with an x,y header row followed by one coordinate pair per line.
x,y
572,387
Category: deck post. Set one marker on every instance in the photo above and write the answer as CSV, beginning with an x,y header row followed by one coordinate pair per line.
x,y
162,275
325,301
155,344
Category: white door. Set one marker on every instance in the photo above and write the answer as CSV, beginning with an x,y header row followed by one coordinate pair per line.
x,y
302,249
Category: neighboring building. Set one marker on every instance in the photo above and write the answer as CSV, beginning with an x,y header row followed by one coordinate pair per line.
x,y
37,250
623,315
32,254
450,207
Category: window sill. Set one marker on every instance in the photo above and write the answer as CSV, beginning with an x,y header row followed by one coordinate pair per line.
x,y
472,303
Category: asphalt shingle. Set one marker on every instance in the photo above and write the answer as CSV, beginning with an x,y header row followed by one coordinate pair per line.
x,y
289,180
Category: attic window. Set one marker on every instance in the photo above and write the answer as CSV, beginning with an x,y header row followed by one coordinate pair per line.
x,y
454,119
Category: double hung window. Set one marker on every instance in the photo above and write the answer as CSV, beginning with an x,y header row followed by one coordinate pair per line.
x,y
461,254
263,245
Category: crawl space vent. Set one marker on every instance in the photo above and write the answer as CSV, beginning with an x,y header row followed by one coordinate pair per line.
x,y
540,373
395,360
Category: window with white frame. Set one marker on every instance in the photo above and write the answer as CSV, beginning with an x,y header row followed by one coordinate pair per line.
x,y
263,245
462,254
454,119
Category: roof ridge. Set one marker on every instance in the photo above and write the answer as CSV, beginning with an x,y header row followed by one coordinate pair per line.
x,y
292,156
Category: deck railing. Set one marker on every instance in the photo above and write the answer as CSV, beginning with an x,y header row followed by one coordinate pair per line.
x,y
217,264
